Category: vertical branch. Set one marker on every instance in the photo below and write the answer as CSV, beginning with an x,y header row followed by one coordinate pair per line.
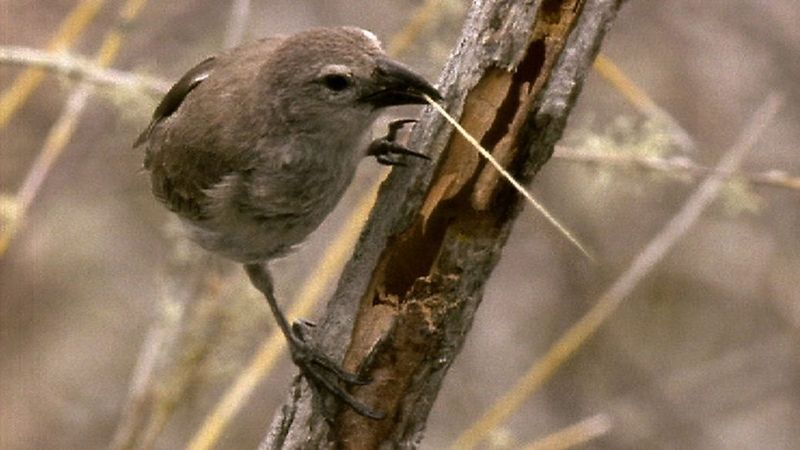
x,y
237,23
436,233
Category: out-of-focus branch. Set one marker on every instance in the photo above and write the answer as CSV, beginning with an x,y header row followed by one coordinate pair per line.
x,y
72,28
573,435
84,69
178,345
237,23
640,100
679,165
140,391
422,17
61,132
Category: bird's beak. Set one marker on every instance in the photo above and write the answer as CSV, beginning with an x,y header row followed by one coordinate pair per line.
x,y
395,84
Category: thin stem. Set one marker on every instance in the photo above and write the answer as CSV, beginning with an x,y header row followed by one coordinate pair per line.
x,y
71,29
682,165
84,69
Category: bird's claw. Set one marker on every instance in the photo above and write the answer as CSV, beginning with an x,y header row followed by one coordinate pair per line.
x,y
389,152
323,373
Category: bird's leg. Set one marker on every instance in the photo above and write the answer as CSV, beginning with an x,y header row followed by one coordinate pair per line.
x,y
387,151
321,371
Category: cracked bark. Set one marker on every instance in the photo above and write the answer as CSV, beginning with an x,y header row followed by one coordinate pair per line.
x,y
407,298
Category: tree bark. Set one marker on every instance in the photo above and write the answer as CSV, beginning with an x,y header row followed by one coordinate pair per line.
x,y
407,298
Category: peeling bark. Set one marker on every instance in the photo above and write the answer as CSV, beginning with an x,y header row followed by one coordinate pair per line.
x,y
407,298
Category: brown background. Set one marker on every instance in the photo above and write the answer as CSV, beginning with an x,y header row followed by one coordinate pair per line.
x,y
703,355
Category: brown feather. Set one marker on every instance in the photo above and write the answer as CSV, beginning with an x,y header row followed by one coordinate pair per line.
x,y
186,149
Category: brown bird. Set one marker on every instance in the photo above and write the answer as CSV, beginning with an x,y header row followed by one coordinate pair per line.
x,y
253,148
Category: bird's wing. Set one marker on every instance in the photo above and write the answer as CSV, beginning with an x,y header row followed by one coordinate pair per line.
x,y
176,197
201,145
177,93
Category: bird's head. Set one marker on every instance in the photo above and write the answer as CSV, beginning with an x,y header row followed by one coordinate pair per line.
x,y
338,78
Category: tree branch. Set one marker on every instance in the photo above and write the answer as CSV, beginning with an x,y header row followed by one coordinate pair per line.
x,y
86,70
418,272
676,165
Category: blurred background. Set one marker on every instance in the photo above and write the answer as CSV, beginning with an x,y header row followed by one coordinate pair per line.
x,y
113,328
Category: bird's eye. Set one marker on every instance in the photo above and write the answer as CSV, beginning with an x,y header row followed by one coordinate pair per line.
x,y
336,82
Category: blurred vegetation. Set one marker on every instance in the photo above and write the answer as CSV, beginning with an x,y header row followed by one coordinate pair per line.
x,y
702,355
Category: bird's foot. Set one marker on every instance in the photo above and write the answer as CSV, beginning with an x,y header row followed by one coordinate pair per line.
x,y
388,151
323,373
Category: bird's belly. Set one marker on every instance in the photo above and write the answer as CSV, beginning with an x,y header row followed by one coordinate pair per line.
x,y
268,223
251,240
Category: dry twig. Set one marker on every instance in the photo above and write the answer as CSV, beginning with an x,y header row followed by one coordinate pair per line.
x,y
72,28
573,435
678,165
86,70
61,132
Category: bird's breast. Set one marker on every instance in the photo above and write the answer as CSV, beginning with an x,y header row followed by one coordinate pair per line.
x,y
274,206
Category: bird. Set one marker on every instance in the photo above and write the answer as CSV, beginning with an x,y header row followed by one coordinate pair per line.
x,y
254,147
